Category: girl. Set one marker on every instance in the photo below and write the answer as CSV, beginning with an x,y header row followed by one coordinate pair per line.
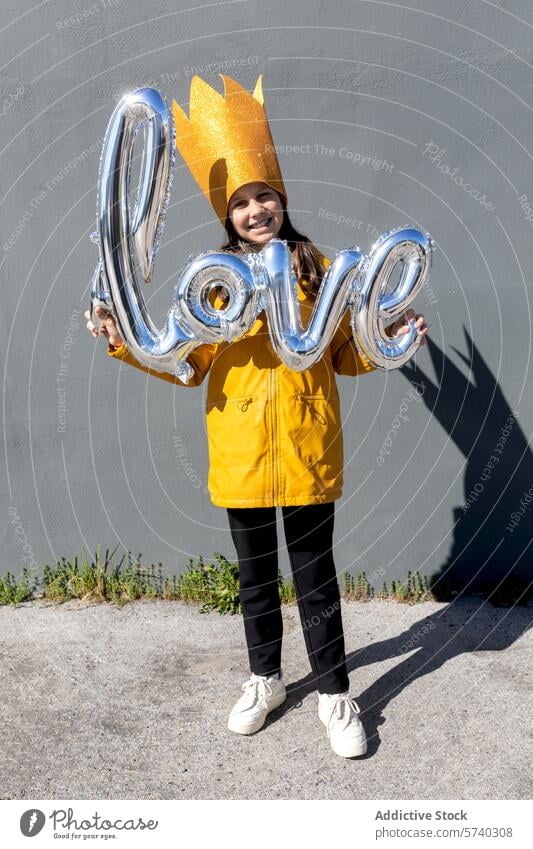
x,y
275,440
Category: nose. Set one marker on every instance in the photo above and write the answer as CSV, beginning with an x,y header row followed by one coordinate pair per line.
x,y
255,207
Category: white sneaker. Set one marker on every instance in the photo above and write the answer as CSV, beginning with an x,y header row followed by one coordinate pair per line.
x,y
339,713
261,695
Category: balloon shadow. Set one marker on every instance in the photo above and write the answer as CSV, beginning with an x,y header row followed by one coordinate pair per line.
x,y
492,529
465,625
461,627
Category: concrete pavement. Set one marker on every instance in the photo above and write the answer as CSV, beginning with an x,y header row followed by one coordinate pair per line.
x,y
104,703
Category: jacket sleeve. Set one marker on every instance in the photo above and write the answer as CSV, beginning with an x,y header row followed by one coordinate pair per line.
x,y
200,359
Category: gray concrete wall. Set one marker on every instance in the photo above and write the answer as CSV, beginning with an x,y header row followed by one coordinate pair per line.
x,y
419,115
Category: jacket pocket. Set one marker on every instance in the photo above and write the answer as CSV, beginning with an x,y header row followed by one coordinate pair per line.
x,y
238,443
313,427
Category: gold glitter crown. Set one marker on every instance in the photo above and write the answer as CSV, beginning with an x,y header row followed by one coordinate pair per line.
x,y
226,141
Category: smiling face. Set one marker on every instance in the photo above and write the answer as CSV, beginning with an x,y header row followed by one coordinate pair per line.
x,y
256,212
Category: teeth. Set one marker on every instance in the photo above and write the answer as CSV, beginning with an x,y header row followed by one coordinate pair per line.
x,y
261,224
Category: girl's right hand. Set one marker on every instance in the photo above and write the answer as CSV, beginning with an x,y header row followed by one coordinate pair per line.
x,y
108,327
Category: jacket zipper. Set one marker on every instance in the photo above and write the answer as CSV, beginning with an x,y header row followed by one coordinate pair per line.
x,y
272,381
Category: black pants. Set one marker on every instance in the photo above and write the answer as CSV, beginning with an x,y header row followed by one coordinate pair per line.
x,y
309,538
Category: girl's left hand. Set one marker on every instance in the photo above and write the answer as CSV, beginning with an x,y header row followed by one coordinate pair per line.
x,y
402,325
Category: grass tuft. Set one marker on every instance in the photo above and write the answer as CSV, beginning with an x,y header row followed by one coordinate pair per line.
x,y
211,585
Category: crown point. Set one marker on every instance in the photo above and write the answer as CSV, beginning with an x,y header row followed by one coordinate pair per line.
x,y
232,87
181,122
258,90
203,99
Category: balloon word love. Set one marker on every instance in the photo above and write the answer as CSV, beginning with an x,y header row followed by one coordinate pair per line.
x,y
128,242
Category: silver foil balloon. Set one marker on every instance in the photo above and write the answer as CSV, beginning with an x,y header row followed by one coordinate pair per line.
x,y
100,295
352,280
128,241
296,347
238,275
413,250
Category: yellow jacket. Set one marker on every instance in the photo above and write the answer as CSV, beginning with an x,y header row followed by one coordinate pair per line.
x,y
274,434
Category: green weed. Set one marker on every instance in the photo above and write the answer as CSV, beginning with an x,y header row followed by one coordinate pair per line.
x,y
211,585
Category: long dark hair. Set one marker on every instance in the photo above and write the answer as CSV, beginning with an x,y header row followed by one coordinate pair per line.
x,y
307,255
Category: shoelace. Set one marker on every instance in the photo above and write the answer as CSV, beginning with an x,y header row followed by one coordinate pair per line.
x,y
251,687
343,707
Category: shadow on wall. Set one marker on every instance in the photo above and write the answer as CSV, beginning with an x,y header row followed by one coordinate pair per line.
x,y
493,528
